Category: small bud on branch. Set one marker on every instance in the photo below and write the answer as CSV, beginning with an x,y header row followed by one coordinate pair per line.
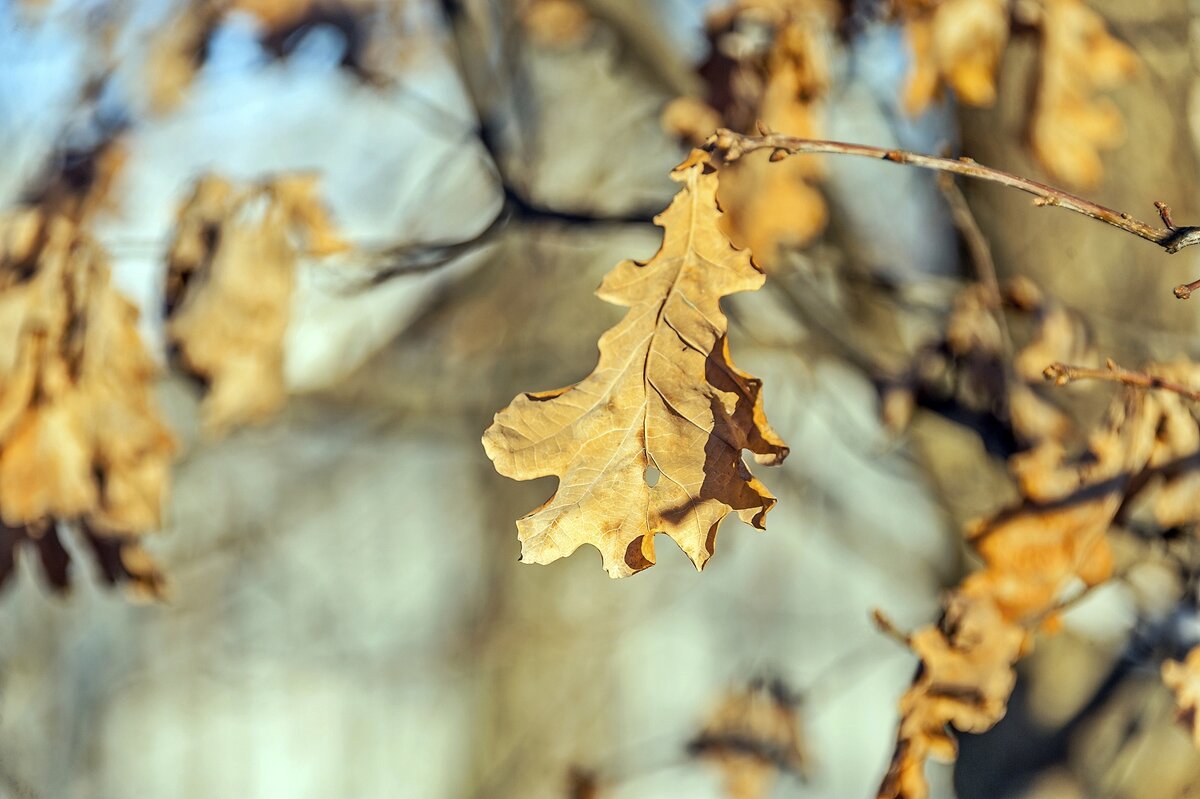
x,y
1061,374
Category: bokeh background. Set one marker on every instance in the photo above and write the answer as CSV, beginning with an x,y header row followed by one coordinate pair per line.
x,y
346,614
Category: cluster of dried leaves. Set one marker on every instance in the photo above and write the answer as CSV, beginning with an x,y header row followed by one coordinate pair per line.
x,y
1053,544
651,442
769,64
82,445
81,442
971,373
231,270
958,44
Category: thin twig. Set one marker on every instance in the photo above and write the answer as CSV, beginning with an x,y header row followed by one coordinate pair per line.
x,y
981,252
886,626
968,228
1062,374
1172,238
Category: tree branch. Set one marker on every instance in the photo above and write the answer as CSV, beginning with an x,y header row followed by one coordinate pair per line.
x,y
981,252
731,146
1061,374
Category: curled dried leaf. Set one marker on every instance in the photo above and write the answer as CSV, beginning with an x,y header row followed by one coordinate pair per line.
x,y
1031,552
965,680
959,44
175,54
180,48
1175,501
80,438
770,66
231,274
651,442
955,44
1059,335
753,736
1070,125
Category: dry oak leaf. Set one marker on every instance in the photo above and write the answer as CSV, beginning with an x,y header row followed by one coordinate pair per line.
x,y
753,736
81,441
120,559
179,48
1176,500
83,182
1069,125
965,681
1031,553
970,365
959,43
664,395
1184,681
955,43
231,274
1059,334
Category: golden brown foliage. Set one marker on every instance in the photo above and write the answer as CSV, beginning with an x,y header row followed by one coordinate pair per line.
x,y
1033,552
231,272
665,397
174,55
80,438
971,367
1070,125
84,190
770,65
752,736
959,44
955,44
965,680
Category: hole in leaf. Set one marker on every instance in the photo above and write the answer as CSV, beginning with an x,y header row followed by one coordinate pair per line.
x,y
651,476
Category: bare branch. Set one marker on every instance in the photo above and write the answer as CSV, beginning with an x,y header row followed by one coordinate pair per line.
x,y
731,146
1061,374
